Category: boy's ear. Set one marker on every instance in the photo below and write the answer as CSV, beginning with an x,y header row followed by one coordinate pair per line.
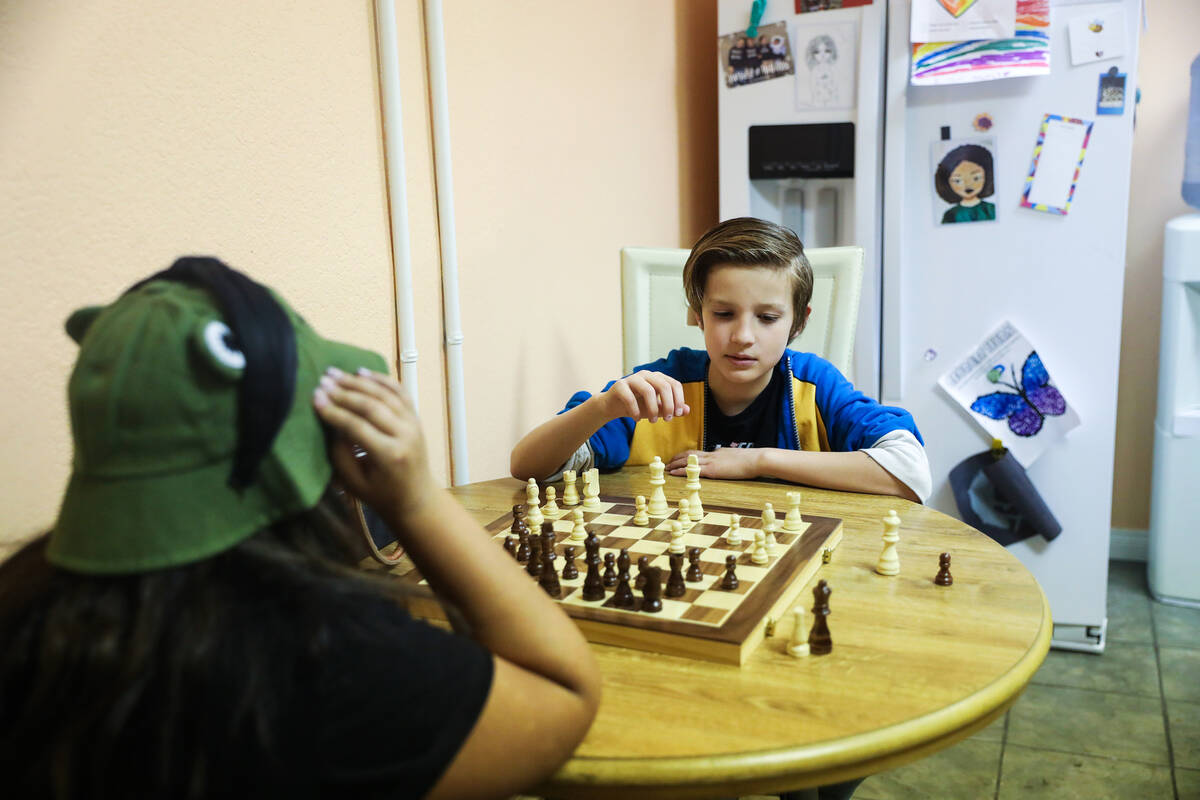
x,y
798,329
694,320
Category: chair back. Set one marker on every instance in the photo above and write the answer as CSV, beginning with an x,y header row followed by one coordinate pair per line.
x,y
656,318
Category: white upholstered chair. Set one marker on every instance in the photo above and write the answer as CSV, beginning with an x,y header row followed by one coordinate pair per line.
x,y
656,318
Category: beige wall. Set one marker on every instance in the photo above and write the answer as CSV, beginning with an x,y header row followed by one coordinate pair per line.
x,y
131,133
1167,51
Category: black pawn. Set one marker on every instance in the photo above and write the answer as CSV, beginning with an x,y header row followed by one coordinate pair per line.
x,y
610,570
730,581
623,596
643,564
623,561
518,515
652,591
675,584
694,574
510,546
549,578
569,570
548,537
819,642
943,577
593,584
522,553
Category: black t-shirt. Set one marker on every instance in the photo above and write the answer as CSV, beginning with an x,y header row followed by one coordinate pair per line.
x,y
757,425
389,713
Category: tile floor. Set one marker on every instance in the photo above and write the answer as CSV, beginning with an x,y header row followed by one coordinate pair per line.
x,y
1125,724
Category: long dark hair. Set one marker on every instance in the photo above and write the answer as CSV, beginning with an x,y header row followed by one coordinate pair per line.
x,y
179,682
974,153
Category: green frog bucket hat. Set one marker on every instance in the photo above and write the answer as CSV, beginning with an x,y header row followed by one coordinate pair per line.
x,y
192,418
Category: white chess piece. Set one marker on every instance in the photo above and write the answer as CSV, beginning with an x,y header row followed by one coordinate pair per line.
x,y
640,516
889,560
760,554
578,531
793,522
676,545
685,513
551,506
658,499
591,489
695,507
769,527
799,644
570,494
533,510
735,529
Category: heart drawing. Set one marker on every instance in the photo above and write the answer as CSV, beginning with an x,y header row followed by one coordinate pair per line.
x,y
956,7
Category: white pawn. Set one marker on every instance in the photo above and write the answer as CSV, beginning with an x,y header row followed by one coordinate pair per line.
x,y
769,527
578,531
695,508
735,529
676,545
533,511
793,522
591,489
889,560
570,494
640,516
799,644
551,506
658,499
760,554
685,513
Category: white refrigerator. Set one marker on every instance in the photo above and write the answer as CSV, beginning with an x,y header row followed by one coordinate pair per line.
x,y
933,292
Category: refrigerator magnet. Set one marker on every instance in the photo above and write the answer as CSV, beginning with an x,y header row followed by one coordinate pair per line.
x,y
1097,36
1110,98
964,173
1057,161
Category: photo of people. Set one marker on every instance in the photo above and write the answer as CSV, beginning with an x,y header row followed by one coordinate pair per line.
x,y
750,59
963,176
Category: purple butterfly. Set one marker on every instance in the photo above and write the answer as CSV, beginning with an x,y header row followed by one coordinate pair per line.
x,y
1035,399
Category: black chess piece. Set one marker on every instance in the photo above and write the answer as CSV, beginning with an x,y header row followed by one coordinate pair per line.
x,y
518,515
943,577
534,565
643,563
623,596
510,546
730,581
623,561
593,584
694,574
549,578
522,553
610,570
675,584
569,570
652,590
819,641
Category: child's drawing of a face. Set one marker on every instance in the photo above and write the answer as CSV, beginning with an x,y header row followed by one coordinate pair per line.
x,y
967,180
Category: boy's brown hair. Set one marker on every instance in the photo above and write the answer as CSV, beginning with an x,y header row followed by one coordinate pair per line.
x,y
750,242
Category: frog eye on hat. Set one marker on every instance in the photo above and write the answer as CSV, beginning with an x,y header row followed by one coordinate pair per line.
x,y
81,320
217,347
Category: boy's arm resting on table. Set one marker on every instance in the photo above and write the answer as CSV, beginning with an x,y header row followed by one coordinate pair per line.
x,y
545,686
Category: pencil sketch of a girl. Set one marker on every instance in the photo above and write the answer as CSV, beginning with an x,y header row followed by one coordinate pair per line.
x,y
821,56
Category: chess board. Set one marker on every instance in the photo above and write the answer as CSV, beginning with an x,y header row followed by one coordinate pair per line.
x,y
706,622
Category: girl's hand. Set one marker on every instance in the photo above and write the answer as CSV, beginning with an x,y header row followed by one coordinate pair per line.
x,y
378,452
645,395
727,463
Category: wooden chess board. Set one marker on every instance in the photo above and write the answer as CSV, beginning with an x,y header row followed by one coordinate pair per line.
x,y
706,622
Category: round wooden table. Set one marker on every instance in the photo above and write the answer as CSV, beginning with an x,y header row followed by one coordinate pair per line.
x,y
915,667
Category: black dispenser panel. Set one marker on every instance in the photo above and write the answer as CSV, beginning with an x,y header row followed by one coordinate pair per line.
x,y
823,150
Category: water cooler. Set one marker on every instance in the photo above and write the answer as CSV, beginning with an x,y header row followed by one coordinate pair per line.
x,y
1173,566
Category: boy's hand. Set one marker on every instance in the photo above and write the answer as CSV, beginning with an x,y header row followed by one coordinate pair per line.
x,y
369,412
727,463
645,395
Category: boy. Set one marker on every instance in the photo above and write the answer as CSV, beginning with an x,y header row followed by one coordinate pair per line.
x,y
748,407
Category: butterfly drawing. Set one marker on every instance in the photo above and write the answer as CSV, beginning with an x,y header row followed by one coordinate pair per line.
x,y
1034,398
